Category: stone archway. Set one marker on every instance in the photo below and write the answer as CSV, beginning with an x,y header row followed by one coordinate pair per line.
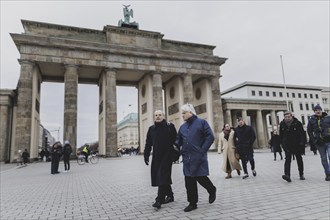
x,y
110,57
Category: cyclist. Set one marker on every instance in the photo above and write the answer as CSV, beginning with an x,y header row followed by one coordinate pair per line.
x,y
85,151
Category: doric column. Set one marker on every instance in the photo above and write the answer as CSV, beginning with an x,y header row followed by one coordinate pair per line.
x,y
24,107
273,118
260,130
187,88
217,107
228,117
70,104
111,113
244,114
157,91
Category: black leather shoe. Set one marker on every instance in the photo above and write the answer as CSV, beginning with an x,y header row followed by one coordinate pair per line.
x,y
287,178
157,205
212,195
190,207
302,177
168,199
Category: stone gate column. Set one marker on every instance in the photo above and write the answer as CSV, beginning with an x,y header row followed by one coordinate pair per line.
x,y
217,107
228,117
260,130
70,104
187,89
24,107
244,114
111,113
273,118
157,91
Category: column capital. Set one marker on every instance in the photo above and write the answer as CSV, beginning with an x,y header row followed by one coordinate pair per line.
x,y
69,65
106,69
154,72
24,61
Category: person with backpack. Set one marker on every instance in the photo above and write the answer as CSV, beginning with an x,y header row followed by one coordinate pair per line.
x,y
161,136
67,150
318,130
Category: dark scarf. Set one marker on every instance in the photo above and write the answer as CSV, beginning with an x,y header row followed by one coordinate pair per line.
x,y
227,133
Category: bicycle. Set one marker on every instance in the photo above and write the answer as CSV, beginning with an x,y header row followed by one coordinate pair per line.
x,y
93,158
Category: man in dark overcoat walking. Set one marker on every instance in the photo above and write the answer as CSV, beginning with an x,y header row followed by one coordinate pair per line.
x,y
161,137
244,139
293,140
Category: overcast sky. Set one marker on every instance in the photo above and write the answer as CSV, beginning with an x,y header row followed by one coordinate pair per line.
x,y
251,34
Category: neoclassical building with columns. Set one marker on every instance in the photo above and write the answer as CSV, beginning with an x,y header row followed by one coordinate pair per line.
x,y
184,72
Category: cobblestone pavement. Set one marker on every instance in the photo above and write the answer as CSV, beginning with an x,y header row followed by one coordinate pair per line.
x,y
119,188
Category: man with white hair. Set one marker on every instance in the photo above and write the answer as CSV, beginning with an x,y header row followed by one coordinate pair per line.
x,y
161,136
194,139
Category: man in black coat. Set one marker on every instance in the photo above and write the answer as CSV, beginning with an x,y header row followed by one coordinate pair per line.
x,y
161,137
244,137
293,140
318,130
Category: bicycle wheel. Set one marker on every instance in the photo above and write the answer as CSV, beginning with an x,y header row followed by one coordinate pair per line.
x,y
94,159
80,160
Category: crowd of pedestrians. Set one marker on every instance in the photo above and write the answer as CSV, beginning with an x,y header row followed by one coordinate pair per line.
x,y
195,137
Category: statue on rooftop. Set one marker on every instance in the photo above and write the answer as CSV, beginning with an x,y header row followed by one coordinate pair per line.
x,y
126,22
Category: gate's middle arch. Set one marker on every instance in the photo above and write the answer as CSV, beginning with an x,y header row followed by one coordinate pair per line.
x,y
188,73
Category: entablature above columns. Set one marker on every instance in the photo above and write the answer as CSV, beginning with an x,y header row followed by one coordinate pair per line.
x,y
239,104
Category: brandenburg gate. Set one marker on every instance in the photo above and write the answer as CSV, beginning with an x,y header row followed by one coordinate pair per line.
x,y
182,72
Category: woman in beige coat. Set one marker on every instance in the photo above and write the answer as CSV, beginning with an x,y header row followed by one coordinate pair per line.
x,y
227,146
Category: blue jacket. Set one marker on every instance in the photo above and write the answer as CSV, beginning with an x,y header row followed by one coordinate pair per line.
x,y
194,139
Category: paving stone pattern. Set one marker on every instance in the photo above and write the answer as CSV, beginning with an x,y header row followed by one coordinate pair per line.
x,y
119,188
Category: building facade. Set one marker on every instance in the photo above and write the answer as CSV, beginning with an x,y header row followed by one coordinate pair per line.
x,y
128,132
298,99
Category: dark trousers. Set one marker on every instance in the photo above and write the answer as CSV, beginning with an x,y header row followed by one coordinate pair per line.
x,y
163,191
86,156
66,159
287,164
191,187
54,165
245,158
279,153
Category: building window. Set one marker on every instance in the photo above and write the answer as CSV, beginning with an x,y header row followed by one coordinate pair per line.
x,y
305,95
311,95
301,106
293,95
324,100
307,106
303,119
260,93
312,105
274,94
253,93
281,94
267,93
287,94
291,107
299,95
316,96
